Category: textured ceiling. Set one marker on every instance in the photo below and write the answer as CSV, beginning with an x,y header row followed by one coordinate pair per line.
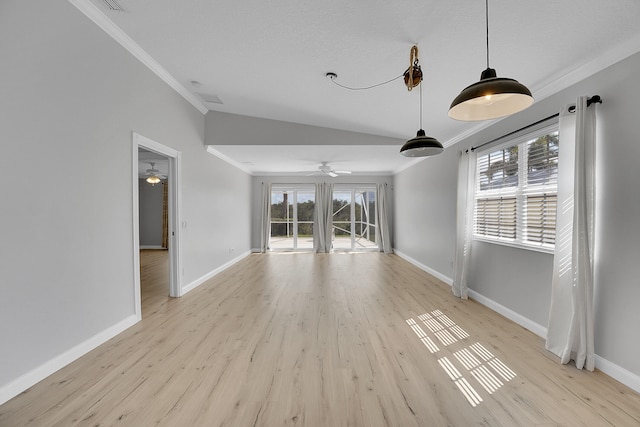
x,y
269,59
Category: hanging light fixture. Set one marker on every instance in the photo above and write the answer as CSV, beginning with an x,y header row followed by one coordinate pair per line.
x,y
153,178
491,97
422,145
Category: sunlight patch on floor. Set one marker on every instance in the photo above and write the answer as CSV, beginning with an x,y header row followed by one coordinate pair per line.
x,y
480,364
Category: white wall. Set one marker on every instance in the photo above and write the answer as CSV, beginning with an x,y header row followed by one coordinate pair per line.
x,y
257,195
425,198
71,98
234,129
523,286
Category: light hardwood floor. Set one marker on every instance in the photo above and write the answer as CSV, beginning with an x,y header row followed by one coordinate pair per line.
x,y
321,340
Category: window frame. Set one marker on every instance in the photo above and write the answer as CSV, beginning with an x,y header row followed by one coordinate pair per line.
x,y
520,192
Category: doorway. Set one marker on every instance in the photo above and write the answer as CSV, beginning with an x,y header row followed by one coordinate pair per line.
x,y
170,177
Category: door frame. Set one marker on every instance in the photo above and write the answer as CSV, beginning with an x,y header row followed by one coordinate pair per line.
x,y
174,197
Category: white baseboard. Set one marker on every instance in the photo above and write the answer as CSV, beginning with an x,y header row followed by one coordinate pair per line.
x,y
20,384
152,247
200,280
618,373
525,322
256,250
445,279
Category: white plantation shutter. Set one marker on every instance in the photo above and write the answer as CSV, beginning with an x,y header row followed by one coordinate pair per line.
x,y
496,217
540,213
516,191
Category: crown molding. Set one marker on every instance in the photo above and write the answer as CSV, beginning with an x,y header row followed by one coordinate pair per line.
x,y
102,21
228,159
564,80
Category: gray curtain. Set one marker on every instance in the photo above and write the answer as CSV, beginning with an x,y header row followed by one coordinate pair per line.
x,y
323,217
265,217
383,237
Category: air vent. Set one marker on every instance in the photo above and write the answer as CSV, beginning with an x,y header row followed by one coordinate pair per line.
x,y
210,98
113,5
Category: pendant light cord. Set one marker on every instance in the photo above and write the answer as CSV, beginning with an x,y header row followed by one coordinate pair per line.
x,y
486,16
334,77
420,104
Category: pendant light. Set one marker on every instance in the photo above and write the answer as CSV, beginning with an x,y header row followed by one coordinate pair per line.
x,y
491,97
422,145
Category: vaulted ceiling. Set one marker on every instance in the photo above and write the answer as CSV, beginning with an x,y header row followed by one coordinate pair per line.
x,y
269,59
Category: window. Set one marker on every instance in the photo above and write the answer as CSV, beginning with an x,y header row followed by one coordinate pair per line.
x,y
517,191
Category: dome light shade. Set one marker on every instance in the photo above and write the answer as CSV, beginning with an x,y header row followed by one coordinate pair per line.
x,y
153,180
421,146
490,98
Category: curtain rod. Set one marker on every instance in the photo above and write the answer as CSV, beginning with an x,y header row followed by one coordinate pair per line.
x,y
594,99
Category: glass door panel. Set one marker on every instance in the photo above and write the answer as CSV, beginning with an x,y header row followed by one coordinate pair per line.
x,y
281,220
342,221
354,219
305,204
292,219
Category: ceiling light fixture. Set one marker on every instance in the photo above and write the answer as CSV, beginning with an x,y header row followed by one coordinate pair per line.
x,y
422,145
491,97
153,178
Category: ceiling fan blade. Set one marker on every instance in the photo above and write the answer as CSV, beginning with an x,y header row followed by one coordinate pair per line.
x,y
332,174
343,172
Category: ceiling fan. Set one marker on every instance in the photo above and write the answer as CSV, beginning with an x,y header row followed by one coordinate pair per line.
x,y
153,175
325,169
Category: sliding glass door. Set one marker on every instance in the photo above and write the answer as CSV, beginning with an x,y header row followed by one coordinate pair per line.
x,y
354,219
292,218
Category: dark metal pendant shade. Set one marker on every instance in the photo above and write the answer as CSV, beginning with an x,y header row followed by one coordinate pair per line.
x,y
490,98
421,146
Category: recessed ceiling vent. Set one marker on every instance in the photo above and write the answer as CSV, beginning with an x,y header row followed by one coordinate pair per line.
x,y
210,98
113,5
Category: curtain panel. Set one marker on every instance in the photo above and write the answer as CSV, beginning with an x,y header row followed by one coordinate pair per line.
x,y
383,238
464,222
165,214
323,217
265,217
571,322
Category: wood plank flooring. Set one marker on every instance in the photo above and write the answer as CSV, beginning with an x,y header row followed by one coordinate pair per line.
x,y
361,339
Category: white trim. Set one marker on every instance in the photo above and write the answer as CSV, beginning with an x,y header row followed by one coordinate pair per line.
x,y
137,298
102,21
200,280
618,373
17,386
228,159
407,165
438,275
152,247
526,323
565,79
